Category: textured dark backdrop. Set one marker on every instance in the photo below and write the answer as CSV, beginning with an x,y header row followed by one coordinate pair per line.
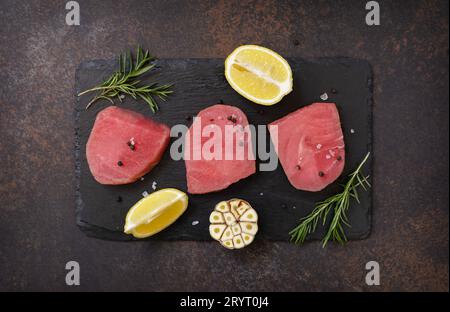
x,y
38,57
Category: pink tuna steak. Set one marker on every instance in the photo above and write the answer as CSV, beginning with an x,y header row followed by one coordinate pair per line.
x,y
310,146
228,158
124,145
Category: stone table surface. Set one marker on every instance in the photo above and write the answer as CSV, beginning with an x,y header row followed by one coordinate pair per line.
x,y
38,57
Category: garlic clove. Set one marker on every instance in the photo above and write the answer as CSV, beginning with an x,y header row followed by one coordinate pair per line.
x,y
229,218
227,234
235,213
234,203
236,229
249,228
233,208
222,207
228,244
249,216
238,242
248,239
242,208
216,230
216,217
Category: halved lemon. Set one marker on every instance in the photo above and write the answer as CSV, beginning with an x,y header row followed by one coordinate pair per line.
x,y
258,74
155,212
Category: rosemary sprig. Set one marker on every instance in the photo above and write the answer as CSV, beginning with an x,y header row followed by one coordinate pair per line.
x,y
338,204
123,82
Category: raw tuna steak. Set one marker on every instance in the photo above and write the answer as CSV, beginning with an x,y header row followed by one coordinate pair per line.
x,y
310,146
124,145
209,173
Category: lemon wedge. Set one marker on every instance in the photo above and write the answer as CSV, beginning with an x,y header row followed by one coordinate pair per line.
x,y
155,212
258,74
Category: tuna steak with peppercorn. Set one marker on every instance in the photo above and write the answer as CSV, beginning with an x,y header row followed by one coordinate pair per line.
x,y
124,145
218,150
310,145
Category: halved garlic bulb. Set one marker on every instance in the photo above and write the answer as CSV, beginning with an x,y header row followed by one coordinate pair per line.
x,y
234,223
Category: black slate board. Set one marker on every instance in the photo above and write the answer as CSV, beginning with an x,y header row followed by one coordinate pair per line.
x,y
200,83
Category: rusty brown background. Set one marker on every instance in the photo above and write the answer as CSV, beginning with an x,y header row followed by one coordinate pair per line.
x,y
39,54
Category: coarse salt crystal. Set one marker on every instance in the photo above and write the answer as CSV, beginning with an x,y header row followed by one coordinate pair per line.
x,y
324,97
352,131
195,222
261,193
319,146
144,193
154,185
328,156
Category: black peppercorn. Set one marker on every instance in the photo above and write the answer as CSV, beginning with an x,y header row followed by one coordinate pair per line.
x,y
120,163
339,158
131,145
321,174
119,199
